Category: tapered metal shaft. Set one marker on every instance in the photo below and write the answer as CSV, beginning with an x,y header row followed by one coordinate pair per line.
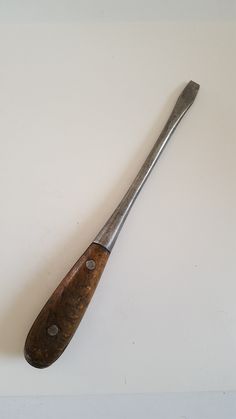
x,y
110,231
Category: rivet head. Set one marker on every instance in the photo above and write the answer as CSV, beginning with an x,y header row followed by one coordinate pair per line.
x,y
53,330
90,264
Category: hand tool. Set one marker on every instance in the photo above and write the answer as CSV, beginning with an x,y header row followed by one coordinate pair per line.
x,y
58,320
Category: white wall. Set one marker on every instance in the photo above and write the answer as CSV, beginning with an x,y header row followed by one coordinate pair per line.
x,y
217,405
33,11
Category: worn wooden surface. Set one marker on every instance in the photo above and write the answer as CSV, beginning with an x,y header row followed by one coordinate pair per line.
x,y
61,315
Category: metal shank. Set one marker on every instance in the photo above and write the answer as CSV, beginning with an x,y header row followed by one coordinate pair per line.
x,y
110,231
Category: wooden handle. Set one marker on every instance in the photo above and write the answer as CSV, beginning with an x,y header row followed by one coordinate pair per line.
x,y
58,320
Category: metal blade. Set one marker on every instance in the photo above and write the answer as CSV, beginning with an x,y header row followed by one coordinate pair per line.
x,y
109,233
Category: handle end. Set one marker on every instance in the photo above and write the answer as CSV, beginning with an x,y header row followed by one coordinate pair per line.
x,y
58,320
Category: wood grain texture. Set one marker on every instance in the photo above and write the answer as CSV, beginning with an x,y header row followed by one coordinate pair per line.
x,y
58,320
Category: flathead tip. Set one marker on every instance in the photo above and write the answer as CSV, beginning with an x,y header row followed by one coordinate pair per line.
x,y
189,93
195,86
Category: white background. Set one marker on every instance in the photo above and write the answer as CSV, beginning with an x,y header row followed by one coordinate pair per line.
x,y
84,91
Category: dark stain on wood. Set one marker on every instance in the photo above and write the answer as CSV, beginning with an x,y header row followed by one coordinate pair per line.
x,y
58,320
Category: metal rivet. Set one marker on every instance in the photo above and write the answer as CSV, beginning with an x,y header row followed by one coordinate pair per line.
x,y
90,264
53,330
